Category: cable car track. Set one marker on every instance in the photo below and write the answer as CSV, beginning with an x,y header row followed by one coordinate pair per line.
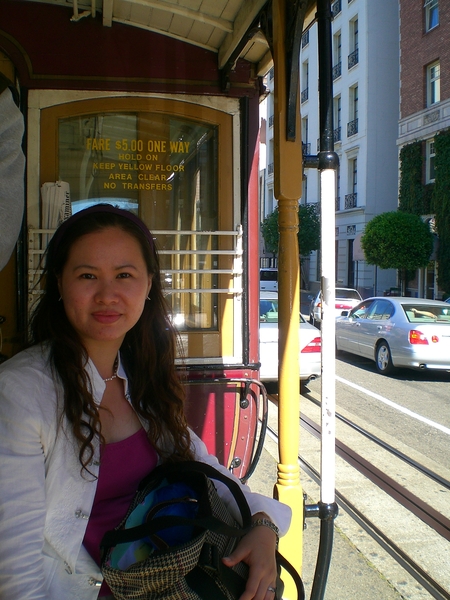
x,y
420,509
411,502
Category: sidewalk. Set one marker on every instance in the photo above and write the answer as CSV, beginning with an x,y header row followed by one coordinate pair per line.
x,y
351,576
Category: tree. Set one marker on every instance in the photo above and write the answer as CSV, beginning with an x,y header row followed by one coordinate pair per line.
x,y
269,230
441,197
398,240
308,231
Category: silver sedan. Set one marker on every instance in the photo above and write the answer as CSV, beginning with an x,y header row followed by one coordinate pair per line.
x,y
397,332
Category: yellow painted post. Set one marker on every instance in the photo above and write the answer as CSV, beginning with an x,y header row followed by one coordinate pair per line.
x,y
288,189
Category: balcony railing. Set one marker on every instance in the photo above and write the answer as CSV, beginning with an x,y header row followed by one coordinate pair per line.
x,y
304,95
352,128
336,8
337,204
305,38
306,148
350,200
353,58
271,119
337,70
271,73
270,168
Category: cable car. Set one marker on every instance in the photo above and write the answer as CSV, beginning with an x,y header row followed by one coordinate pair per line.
x,y
153,106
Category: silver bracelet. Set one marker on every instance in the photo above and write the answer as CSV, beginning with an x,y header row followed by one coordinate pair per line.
x,y
267,523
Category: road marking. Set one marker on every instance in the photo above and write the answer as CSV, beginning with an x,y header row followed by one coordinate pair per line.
x,y
402,409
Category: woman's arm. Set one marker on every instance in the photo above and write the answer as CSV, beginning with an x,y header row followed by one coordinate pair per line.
x,y
22,492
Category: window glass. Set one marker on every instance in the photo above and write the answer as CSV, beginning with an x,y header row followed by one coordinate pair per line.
x,y
266,275
381,310
431,14
361,311
426,313
268,311
434,83
347,293
163,168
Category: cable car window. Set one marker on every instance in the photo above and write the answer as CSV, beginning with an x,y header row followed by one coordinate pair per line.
x,y
163,168
171,162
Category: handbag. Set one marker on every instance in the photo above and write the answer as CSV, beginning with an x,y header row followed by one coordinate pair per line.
x,y
170,544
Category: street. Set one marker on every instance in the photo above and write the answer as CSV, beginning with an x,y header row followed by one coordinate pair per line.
x,y
410,412
425,396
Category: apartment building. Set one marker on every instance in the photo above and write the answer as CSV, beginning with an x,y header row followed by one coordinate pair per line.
x,y
424,98
365,111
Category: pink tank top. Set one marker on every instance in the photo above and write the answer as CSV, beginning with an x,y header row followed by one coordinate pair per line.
x,y
122,466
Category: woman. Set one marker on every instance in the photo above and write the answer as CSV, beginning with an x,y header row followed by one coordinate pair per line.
x,y
91,408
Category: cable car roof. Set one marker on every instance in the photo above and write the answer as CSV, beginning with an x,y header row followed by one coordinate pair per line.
x,y
221,26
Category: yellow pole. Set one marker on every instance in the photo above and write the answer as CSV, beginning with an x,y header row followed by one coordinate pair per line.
x,y
288,189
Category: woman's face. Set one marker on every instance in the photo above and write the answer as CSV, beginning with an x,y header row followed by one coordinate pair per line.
x,y
104,285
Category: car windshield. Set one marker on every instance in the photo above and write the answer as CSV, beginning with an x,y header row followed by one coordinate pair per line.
x,y
347,294
426,313
268,275
268,311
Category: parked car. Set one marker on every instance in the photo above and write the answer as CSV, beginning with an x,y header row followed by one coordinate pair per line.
x,y
397,332
345,299
268,280
310,342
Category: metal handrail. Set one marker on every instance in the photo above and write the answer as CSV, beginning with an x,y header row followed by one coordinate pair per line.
x,y
39,237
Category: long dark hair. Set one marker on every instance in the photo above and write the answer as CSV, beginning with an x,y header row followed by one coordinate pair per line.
x,y
147,352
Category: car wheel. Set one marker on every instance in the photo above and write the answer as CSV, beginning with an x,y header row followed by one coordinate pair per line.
x,y
383,359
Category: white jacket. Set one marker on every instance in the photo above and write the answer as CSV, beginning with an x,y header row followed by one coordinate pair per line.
x,y
45,502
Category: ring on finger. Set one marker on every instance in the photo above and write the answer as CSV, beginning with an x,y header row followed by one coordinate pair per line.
x,y
271,589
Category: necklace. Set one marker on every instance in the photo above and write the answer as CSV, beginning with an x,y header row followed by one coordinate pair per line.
x,y
114,375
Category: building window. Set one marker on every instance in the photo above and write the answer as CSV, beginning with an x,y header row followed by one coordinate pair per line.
x,y
433,83
353,57
337,55
305,130
337,135
338,188
351,197
336,8
305,81
352,125
354,175
305,38
304,199
431,14
430,155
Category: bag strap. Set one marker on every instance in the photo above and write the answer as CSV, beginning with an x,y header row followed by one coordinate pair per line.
x,y
281,560
131,534
208,471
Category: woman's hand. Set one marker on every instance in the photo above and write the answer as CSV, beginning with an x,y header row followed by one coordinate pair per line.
x,y
257,550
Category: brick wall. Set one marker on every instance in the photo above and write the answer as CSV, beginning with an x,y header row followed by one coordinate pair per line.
x,y
418,49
